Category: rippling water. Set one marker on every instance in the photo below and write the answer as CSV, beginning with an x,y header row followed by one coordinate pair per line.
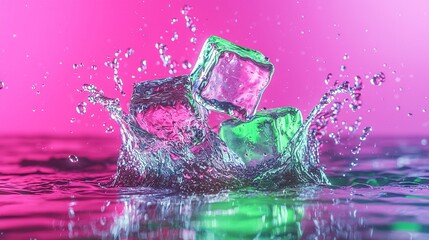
x,y
44,195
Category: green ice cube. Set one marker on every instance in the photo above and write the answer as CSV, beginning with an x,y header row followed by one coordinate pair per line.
x,y
264,137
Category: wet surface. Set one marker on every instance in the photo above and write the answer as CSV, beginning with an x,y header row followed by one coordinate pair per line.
x,y
44,195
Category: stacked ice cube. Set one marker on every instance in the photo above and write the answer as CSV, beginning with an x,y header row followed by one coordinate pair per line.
x,y
226,78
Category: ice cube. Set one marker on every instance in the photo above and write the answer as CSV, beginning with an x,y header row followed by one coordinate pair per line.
x,y
181,152
165,108
264,137
229,78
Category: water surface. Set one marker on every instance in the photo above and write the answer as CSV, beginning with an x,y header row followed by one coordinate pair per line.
x,y
44,195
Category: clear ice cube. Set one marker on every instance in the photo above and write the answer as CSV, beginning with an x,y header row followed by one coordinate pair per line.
x,y
165,108
229,78
170,145
264,137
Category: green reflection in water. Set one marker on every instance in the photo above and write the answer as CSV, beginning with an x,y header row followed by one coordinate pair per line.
x,y
259,217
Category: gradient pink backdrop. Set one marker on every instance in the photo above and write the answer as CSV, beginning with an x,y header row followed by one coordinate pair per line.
x,y
41,40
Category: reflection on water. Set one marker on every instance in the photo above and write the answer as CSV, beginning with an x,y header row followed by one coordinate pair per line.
x,y
43,195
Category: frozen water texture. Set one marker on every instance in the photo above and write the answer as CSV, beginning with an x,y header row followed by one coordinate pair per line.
x,y
165,108
229,78
264,137
168,144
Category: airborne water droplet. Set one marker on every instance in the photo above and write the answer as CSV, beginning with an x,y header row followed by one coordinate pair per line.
x,y
109,129
186,64
175,37
81,108
73,158
346,56
129,52
378,79
328,78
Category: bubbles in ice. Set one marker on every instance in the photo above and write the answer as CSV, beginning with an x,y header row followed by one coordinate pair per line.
x,y
81,108
73,158
1,84
378,79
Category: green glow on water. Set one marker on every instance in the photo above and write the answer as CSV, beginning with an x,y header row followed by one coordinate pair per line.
x,y
407,226
261,217
265,136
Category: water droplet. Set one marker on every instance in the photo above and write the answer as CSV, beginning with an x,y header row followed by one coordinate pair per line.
x,y
398,108
378,79
356,150
175,37
410,114
75,66
109,129
81,108
186,64
186,9
365,132
37,92
72,120
346,56
174,20
129,52
343,68
94,67
73,158
1,84
424,110
328,78
117,52
193,28
193,40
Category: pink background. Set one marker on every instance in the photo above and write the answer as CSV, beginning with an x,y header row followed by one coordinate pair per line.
x,y
41,40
